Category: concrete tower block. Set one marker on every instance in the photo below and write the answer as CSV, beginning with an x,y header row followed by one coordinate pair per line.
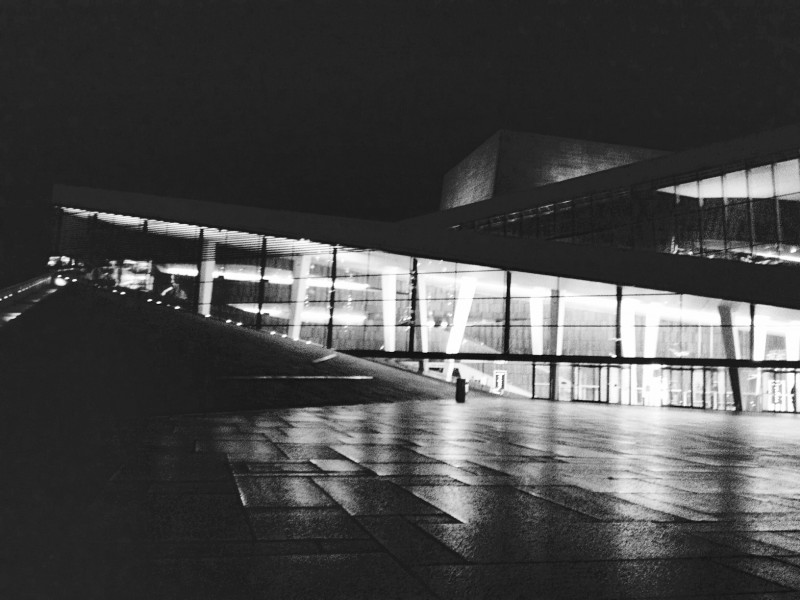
x,y
511,161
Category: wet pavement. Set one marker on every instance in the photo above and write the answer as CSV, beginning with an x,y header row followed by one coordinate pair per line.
x,y
496,498
373,494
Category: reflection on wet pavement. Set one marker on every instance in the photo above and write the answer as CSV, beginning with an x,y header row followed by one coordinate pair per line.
x,y
490,499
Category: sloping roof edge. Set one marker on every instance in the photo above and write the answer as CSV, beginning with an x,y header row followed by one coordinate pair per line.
x,y
729,280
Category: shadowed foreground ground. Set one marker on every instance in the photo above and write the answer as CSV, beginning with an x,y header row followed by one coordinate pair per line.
x,y
496,498
82,368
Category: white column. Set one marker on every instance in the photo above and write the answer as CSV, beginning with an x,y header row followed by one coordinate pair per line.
x,y
651,384
652,319
628,332
537,323
389,302
208,263
562,311
422,317
300,270
465,292
759,339
628,327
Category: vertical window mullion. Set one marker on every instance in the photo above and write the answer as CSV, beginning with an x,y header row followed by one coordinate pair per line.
x,y
413,326
331,301
700,230
507,316
778,224
750,213
261,282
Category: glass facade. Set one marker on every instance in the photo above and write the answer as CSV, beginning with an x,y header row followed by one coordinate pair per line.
x,y
750,214
508,332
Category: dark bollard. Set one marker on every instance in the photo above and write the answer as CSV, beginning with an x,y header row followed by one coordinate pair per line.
x,y
461,390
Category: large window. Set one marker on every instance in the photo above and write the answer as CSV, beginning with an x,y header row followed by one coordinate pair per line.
x,y
372,308
750,214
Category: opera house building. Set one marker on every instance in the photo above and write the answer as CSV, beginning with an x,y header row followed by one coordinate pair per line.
x,y
555,269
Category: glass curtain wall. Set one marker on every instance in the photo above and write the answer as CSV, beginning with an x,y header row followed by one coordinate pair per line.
x,y
749,214
461,307
376,301
372,307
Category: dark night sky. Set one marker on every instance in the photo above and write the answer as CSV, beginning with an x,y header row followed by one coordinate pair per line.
x,y
359,108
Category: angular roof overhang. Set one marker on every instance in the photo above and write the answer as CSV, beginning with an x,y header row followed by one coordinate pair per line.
x,y
776,285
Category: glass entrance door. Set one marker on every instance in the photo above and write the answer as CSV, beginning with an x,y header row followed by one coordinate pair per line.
x,y
610,385
586,383
778,390
718,396
684,386
699,377
679,381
